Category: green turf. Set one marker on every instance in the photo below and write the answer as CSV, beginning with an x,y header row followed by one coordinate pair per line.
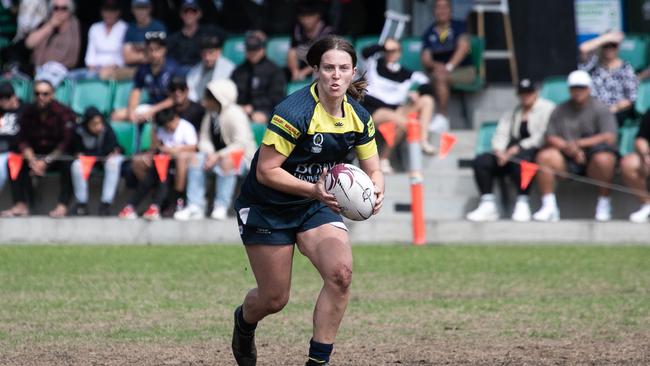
x,y
187,293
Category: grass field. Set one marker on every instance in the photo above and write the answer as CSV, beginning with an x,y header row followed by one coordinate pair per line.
x,y
172,305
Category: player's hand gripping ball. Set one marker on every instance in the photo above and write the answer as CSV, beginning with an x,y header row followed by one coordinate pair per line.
x,y
353,189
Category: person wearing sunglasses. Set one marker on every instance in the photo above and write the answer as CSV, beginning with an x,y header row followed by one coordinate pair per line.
x,y
58,39
613,80
185,45
134,39
45,135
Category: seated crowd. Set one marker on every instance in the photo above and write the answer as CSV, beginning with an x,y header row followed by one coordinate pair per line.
x,y
203,106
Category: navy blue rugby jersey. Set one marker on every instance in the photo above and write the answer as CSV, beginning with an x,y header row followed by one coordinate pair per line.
x,y
311,139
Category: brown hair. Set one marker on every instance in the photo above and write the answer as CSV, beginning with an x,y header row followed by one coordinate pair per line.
x,y
357,88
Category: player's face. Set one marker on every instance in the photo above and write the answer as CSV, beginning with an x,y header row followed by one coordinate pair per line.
x,y
335,72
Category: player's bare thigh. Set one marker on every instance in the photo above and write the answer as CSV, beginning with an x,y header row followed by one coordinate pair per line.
x,y
328,248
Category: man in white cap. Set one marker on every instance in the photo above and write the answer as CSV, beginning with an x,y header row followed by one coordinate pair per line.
x,y
580,139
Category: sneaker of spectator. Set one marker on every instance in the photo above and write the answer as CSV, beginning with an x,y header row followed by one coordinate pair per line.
x,y
641,215
219,213
603,209
549,212
213,66
58,39
185,45
487,210
134,39
152,213
190,212
260,83
521,212
128,213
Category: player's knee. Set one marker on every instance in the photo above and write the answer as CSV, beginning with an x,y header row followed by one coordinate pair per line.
x,y
277,302
342,277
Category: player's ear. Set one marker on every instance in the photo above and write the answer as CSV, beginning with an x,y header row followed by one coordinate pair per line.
x,y
354,71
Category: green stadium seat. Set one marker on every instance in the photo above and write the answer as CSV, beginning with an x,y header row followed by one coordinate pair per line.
x,y
258,132
634,49
642,102
121,92
484,137
95,93
626,137
234,49
294,86
476,55
23,89
555,89
125,133
365,41
411,48
277,49
63,92
145,137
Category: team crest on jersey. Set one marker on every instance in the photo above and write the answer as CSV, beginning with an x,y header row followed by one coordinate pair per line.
x,y
318,143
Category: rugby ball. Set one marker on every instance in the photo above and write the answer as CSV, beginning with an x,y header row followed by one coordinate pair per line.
x,y
353,189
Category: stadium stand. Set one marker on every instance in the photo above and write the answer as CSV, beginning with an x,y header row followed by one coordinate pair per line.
x,y
555,89
634,49
233,49
277,48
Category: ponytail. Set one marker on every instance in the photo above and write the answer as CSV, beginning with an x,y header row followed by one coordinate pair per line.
x,y
358,88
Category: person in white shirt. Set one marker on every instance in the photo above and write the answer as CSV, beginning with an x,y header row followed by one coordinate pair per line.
x,y
213,66
175,137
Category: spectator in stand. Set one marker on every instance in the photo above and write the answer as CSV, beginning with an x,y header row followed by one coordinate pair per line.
x,y
57,42
635,169
224,130
580,139
11,109
188,110
185,45
95,137
388,98
519,135
260,83
153,77
309,29
105,41
445,50
613,80
174,136
213,66
45,135
134,39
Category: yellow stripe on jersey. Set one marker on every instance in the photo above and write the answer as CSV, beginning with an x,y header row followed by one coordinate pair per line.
x,y
323,122
285,126
371,128
366,150
284,147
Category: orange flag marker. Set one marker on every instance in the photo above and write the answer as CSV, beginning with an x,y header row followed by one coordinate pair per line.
x,y
87,163
387,130
161,161
15,162
447,141
528,171
235,157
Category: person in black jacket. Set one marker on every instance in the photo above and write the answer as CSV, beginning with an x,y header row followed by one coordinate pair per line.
x,y
260,83
95,137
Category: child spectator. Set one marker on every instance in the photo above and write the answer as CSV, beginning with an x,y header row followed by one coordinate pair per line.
x,y
213,66
174,136
388,98
188,110
185,45
613,80
519,135
94,137
635,169
134,39
580,139
45,134
224,129
11,109
260,83
309,29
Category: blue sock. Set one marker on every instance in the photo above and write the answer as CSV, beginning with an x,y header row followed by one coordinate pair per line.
x,y
319,352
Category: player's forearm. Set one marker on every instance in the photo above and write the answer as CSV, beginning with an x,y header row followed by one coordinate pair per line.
x,y
281,180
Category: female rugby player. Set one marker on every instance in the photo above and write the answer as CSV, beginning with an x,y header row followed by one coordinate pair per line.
x,y
283,200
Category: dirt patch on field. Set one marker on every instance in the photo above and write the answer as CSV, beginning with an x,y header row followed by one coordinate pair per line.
x,y
633,351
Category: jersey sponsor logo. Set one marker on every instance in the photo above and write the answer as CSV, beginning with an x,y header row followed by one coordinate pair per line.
x,y
338,124
262,231
285,126
318,143
311,172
